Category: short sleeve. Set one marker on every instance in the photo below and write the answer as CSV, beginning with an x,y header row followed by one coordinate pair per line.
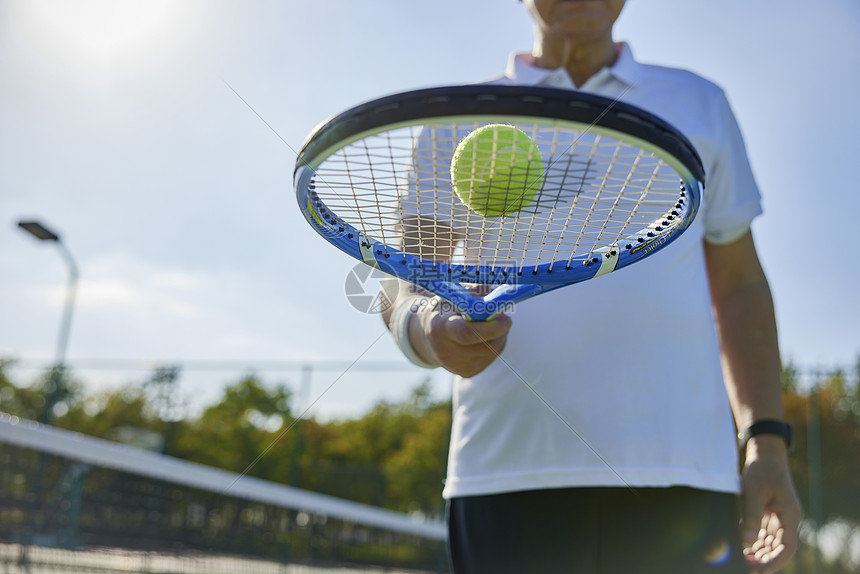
x,y
732,195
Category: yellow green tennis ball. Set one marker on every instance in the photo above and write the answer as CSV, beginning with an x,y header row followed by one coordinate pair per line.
x,y
497,170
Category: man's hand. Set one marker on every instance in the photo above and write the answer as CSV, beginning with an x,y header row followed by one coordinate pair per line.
x,y
442,336
743,311
771,512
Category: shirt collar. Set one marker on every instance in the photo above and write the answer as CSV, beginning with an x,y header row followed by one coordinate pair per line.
x,y
521,70
626,68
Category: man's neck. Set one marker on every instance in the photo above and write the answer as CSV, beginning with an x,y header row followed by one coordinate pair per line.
x,y
580,60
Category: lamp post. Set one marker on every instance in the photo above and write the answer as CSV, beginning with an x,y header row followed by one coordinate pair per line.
x,y
55,384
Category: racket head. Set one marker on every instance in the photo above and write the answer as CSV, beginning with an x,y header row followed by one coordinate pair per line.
x,y
618,185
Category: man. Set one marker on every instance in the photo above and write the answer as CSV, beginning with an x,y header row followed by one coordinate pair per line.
x,y
569,454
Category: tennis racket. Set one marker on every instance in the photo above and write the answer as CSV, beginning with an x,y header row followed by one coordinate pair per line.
x,y
618,185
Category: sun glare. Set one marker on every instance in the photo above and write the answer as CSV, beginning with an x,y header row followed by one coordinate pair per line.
x,y
106,32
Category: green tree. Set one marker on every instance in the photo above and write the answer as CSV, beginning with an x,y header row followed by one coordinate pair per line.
x,y
827,431
381,457
415,471
22,402
241,432
29,401
825,461
105,413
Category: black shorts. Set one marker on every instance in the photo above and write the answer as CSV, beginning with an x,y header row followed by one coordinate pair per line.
x,y
596,531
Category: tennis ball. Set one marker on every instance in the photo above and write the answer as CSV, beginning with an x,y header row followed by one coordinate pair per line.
x,y
497,170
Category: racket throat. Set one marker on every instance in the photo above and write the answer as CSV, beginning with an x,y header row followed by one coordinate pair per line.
x,y
608,260
366,249
476,308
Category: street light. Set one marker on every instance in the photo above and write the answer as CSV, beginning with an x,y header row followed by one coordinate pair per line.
x,y
55,385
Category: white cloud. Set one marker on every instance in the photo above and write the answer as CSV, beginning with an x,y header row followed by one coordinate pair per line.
x,y
122,284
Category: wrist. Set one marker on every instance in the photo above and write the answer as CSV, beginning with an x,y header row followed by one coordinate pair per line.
x,y
424,312
768,447
406,328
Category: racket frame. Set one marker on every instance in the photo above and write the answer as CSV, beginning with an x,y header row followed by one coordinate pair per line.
x,y
486,104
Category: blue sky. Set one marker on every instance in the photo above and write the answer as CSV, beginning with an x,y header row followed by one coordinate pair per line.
x,y
118,129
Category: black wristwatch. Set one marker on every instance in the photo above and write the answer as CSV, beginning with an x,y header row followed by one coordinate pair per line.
x,y
767,426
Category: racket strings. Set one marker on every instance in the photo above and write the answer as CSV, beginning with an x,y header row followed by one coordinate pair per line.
x,y
613,217
582,174
395,188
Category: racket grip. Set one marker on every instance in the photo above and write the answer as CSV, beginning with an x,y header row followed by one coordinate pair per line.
x,y
485,308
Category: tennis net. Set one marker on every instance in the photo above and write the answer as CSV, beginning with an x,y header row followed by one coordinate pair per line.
x,y
70,502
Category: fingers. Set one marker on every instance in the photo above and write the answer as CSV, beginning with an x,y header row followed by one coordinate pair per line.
x,y
462,347
467,332
769,552
775,544
466,348
771,514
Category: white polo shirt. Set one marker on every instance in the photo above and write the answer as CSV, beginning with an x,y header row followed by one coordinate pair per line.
x,y
617,381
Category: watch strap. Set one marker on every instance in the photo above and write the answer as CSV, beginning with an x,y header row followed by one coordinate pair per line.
x,y
766,426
